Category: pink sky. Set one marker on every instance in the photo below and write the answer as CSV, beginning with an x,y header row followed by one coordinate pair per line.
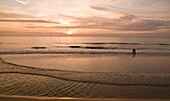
x,y
76,17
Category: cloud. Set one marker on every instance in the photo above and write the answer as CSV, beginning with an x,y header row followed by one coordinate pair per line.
x,y
113,0
146,25
86,23
33,21
13,15
93,22
128,17
109,8
114,7
23,1
99,8
127,22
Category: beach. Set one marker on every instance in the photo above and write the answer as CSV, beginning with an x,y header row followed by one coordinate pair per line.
x,y
94,62
84,50
32,81
28,98
98,68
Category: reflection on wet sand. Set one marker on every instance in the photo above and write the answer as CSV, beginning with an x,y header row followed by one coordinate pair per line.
x,y
94,62
30,81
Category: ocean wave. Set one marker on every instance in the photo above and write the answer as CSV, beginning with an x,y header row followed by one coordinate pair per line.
x,y
113,48
117,43
98,43
87,48
86,52
91,47
38,47
121,43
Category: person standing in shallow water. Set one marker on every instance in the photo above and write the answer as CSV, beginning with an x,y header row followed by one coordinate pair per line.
x,y
133,51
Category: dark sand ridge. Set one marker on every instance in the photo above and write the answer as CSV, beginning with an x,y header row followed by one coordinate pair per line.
x,y
30,81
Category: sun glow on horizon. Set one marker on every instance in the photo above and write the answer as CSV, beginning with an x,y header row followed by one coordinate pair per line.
x,y
70,32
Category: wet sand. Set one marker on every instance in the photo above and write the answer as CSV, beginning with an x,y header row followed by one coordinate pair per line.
x,y
93,62
29,98
29,81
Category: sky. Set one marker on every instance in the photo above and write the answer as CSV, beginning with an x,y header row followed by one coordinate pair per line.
x,y
84,17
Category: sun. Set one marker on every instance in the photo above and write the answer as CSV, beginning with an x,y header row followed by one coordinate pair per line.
x,y
70,32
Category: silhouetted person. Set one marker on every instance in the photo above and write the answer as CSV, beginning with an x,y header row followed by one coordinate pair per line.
x,y
133,51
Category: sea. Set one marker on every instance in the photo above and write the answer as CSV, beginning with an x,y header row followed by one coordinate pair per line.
x,y
83,45
89,54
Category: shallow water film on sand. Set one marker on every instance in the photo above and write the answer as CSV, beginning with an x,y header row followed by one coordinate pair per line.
x,y
30,81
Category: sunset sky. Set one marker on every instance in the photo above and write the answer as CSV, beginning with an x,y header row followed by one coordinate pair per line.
x,y
76,17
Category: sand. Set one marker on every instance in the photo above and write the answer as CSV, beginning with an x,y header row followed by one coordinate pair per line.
x,y
30,81
29,98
